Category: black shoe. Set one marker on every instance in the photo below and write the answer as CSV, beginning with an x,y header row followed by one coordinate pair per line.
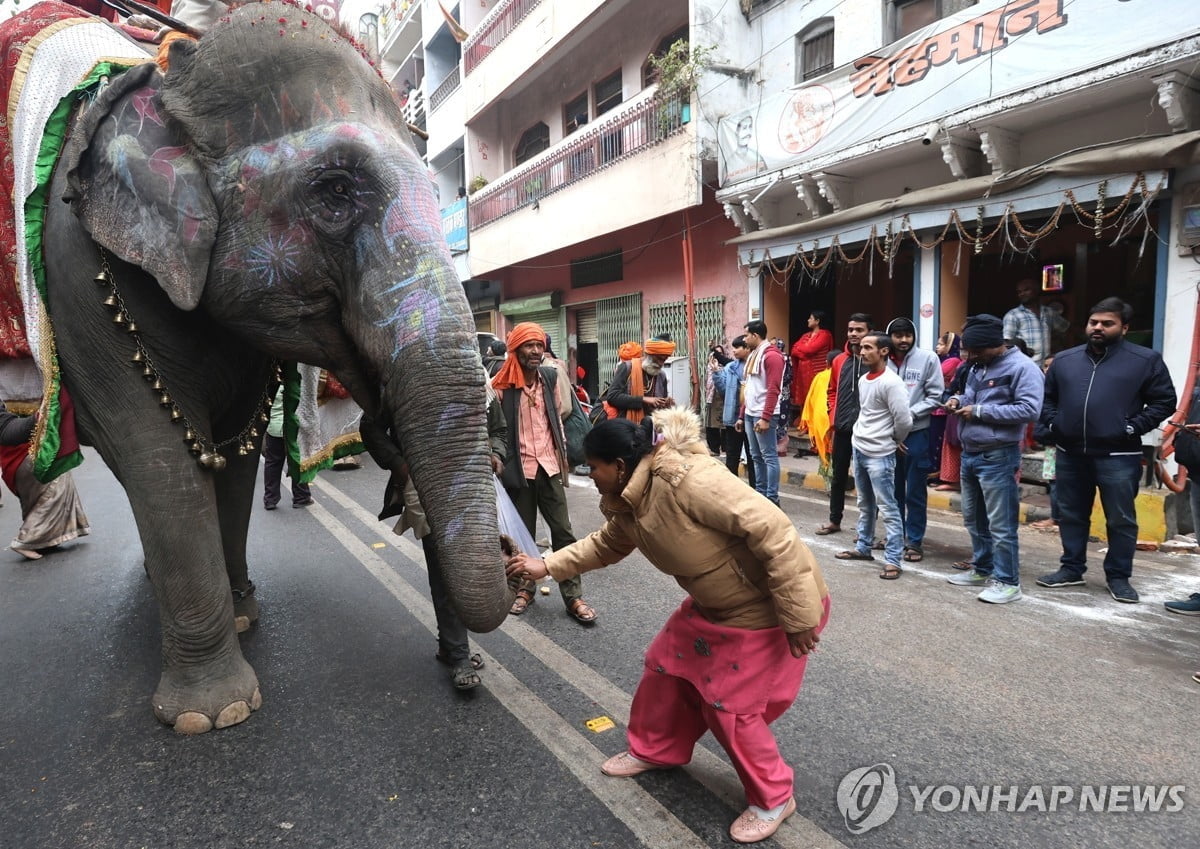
x,y
1063,578
304,503
270,505
1121,590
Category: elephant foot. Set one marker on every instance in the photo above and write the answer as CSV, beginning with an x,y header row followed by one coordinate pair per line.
x,y
200,706
245,608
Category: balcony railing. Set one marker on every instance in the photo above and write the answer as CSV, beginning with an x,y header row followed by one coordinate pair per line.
x,y
414,107
393,16
445,88
643,126
494,30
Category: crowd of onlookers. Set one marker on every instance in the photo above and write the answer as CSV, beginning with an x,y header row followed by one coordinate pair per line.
x,y
901,419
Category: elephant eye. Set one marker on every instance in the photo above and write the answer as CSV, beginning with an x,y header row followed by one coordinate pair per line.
x,y
336,196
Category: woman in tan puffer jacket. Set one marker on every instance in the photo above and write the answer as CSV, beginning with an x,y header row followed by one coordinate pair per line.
x,y
731,659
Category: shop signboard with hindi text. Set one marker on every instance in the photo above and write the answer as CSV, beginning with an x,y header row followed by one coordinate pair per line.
x,y
454,226
987,51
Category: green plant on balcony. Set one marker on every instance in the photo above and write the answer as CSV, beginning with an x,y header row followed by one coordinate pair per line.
x,y
532,188
678,72
477,183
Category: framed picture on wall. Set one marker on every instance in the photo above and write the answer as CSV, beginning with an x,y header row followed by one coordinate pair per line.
x,y
1053,278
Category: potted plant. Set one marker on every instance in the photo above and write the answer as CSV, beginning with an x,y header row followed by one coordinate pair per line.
x,y
477,183
678,71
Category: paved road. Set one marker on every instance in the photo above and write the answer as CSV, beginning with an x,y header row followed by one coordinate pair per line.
x,y
363,743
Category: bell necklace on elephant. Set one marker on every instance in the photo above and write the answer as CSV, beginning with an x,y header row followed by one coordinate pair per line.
x,y
207,452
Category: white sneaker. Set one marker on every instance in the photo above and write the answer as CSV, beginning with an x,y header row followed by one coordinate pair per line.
x,y
998,593
969,579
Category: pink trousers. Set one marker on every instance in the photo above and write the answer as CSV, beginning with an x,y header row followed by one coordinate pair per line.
x,y
669,715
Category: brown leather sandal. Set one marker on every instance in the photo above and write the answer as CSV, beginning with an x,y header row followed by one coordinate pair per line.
x,y
581,611
521,602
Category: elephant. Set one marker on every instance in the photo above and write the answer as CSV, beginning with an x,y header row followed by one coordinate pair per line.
x,y
259,202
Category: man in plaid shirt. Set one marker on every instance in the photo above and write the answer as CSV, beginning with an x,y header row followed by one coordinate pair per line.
x,y
1030,323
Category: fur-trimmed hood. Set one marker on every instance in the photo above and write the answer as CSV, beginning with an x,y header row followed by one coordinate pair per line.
x,y
679,428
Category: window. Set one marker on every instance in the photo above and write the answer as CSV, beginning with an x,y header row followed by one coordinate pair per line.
x,y
608,93
814,50
649,75
575,114
533,141
908,16
600,268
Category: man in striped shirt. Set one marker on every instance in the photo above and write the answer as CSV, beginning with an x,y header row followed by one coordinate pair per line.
x,y
1031,323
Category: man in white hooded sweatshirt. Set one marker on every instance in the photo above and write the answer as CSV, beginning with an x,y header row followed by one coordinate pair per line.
x,y
921,371
884,421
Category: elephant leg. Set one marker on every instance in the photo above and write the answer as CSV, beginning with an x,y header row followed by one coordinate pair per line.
x,y
204,682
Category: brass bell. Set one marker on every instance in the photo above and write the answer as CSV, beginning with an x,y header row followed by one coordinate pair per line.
x,y
120,318
112,300
148,373
103,278
176,414
133,328
195,448
165,400
138,357
218,462
254,433
189,435
157,385
243,450
206,459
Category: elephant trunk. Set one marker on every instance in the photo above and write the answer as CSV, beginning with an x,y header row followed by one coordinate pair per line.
x,y
435,399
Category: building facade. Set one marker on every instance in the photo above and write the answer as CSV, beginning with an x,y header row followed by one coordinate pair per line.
x,y
590,181
920,157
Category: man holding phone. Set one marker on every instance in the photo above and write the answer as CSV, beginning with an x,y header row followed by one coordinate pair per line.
x,y
1002,396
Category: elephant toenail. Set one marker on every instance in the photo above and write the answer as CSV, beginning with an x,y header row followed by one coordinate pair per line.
x,y
192,722
233,713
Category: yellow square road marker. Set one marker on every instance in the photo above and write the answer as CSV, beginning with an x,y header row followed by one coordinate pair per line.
x,y
600,723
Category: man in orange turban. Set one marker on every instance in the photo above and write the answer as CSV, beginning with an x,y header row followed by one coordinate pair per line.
x,y
639,387
535,469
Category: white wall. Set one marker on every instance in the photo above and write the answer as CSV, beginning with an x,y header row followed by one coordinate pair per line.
x,y
1183,278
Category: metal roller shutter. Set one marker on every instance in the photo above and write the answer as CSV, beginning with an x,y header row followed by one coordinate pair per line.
x,y
587,327
619,320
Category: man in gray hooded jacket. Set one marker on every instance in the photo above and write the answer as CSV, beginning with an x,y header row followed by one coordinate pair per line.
x,y
921,371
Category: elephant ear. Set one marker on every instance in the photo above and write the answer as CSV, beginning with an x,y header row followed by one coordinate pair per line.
x,y
138,189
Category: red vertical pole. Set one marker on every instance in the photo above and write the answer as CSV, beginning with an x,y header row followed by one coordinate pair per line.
x,y
689,307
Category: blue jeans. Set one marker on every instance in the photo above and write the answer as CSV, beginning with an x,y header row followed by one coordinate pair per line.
x,y
875,482
1078,478
912,487
765,458
991,505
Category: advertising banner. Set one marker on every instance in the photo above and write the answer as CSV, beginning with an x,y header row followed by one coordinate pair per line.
x,y
986,51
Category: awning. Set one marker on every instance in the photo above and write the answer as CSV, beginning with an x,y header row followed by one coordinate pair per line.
x,y
1035,187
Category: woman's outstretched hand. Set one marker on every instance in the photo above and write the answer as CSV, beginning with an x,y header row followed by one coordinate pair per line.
x,y
803,642
525,567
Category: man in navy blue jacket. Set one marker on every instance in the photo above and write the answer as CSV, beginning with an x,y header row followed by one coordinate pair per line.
x,y
1100,398
1003,395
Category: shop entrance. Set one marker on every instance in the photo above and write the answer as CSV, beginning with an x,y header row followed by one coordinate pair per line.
x,y
1074,270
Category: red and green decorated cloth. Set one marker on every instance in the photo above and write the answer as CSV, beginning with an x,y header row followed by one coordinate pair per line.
x,y
52,55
